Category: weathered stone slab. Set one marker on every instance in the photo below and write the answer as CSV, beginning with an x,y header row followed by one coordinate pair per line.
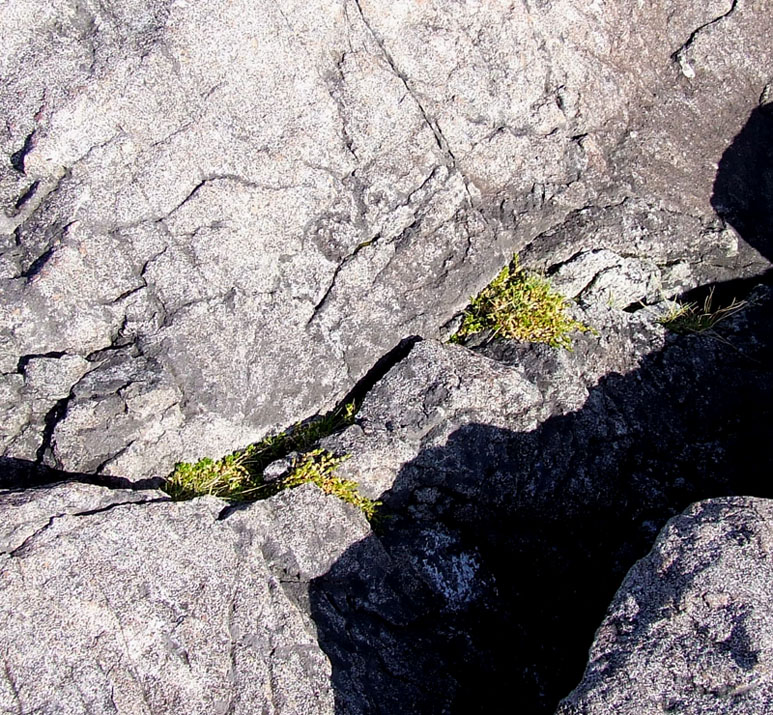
x,y
116,601
216,217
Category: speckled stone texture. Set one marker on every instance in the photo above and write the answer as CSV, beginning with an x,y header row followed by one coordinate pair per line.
x,y
217,216
120,602
690,629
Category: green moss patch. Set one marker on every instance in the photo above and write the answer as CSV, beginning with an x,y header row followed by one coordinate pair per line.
x,y
521,306
238,477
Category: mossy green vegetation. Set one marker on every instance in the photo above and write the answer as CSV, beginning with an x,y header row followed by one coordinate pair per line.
x,y
692,318
238,477
228,478
319,467
521,305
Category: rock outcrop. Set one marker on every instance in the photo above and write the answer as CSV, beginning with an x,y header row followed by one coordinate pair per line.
x,y
217,217
118,601
689,630
519,484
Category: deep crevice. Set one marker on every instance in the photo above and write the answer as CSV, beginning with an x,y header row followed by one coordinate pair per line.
x,y
37,265
379,369
22,474
355,396
51,420
554,516
27,195
727,291
18,157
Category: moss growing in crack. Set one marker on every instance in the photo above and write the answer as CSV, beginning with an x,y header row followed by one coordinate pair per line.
x,y
239,477
228,478
319,467
520,306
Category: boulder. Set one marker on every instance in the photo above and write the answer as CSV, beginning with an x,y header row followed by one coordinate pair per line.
x,y
690,629
519,483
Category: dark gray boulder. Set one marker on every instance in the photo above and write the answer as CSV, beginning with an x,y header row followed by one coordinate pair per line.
x,y
690,629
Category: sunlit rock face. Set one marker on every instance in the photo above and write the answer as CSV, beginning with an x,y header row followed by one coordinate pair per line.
x,y
124,601
217,216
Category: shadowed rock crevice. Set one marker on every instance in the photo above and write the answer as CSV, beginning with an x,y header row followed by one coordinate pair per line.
x,y
23,474
500,550
17,158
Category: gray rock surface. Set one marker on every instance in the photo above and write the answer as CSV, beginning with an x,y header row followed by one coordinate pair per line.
x,y
520,483
216,217
439,389
120,601
690,629
26,513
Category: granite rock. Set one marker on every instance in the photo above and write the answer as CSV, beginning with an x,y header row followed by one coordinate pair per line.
x,y
520,483
124,601
217,217
689,630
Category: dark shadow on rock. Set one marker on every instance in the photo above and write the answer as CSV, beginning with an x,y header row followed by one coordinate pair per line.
x,y
24,474
502,550
743,189
743,197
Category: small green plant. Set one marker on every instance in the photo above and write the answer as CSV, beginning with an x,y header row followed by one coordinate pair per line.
x,y
301,436
227,477
690,318
319,467
521,306
239,477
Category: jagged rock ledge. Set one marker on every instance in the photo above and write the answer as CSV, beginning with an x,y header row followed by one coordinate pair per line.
x,y
506,531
